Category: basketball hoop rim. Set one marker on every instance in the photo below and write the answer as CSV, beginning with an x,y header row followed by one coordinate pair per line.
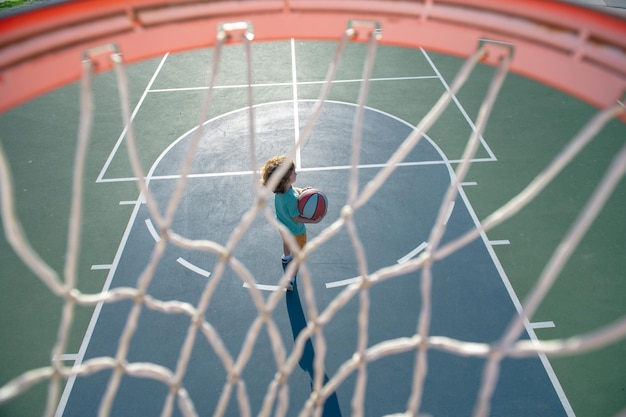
x,y
558,44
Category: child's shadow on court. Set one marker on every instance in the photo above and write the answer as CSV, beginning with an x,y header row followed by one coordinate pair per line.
x,y
298,322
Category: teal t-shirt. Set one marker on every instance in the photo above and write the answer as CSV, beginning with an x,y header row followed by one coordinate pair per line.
x,y
286,205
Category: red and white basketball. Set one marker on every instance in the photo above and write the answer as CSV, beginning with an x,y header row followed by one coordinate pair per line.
x,y
312,204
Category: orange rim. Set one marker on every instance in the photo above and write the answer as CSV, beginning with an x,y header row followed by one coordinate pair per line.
x,y
579,51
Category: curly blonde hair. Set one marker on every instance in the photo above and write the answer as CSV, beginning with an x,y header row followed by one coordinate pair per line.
x,y
272,165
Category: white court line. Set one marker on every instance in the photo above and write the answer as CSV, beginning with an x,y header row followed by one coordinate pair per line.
x,y
128,203
499,242
103,266
507,283
413,253
449,213
310,169
342,283
69,385
356,80
152,230
264,287
542,325
217,87
518,306
459,106
193,267
132,117
68,357
465,184
420,77
120,179
296,114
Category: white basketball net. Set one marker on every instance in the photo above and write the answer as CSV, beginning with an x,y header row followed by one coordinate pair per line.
x,y
277,394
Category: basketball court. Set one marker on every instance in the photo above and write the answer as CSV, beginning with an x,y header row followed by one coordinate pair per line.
x,y
475,292
471,301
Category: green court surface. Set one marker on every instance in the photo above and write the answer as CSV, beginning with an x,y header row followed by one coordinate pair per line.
x,y
530,124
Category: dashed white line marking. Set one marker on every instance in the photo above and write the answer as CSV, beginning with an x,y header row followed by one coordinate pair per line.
x,y
265,287
543,325
413,253
153,231
465,184
68,357
342,283
98,267
193,267
449,213
499,242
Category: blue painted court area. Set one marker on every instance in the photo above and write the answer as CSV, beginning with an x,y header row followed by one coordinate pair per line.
x,y
471,301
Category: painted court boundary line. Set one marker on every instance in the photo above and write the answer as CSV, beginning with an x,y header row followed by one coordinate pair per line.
x,y
302,169
516,302
236,86
469,121
294,83
96,313
444,159
296,112
132,117
518,307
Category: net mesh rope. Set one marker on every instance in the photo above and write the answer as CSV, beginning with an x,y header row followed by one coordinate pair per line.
x,y
276,400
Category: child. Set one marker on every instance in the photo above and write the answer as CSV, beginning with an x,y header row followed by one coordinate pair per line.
x,y
286,205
